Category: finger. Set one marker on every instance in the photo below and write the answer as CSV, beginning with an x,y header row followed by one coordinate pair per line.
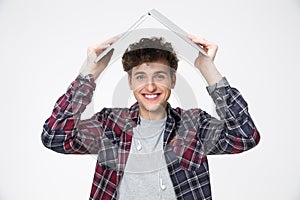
x,y
203,42
190,36
112,40
198,40
101,46
210,48
98,48
193,37
107,43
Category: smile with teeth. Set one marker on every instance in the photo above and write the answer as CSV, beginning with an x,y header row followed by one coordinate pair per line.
x,y
151,96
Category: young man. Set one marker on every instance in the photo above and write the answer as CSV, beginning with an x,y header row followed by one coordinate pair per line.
x,y
150,150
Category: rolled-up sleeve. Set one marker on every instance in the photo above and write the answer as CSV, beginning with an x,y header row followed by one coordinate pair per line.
x,y
234,131
63,131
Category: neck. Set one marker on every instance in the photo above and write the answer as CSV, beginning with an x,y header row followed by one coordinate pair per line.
x,y
153,115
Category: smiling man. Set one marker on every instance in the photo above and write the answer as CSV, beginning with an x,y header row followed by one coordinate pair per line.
x,y
151,150
152,84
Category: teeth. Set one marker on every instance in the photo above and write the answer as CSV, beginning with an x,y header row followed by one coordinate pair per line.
x,y
150,96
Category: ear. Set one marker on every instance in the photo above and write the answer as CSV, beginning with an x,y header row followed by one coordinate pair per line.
x,y
129,81
173,80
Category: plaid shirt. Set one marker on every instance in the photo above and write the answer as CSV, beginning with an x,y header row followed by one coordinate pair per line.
x,y
189,136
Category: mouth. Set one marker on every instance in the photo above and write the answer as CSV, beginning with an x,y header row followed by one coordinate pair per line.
x,y
151,97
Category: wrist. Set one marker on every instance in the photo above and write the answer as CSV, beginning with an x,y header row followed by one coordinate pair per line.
x,y
95,74
210,72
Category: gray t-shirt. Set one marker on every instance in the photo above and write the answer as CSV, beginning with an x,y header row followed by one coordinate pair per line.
x,y
146,175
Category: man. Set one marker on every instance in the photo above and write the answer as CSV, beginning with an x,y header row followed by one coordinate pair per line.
x,y
150,150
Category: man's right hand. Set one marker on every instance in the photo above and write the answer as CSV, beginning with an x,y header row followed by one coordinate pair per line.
x,y
93,52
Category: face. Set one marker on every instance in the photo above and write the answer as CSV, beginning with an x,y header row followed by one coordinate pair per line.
x,y
151,84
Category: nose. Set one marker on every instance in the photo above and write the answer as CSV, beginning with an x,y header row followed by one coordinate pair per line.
x,y
151,86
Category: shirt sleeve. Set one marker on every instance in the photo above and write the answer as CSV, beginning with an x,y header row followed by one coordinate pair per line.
x,y
63,131
234,131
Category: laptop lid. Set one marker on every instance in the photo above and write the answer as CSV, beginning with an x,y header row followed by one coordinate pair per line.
x,y
162,20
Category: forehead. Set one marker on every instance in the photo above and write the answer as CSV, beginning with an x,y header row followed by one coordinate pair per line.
x,y
151,67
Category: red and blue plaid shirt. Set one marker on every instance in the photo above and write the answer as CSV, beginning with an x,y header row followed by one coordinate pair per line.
x,y
189,136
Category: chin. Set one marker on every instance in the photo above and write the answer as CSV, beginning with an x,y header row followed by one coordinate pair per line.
x,y
155,107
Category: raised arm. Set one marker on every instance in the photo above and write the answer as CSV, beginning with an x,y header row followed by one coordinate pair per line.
x,y
64,131
235,131
205,64
92,52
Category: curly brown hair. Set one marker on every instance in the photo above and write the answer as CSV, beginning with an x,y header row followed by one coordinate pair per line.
x,y
149,50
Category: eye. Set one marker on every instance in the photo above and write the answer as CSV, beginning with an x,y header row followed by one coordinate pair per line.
x,y
160,77
140,77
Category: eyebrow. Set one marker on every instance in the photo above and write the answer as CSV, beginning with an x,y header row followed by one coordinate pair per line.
x,y
138,73
161,72
158,72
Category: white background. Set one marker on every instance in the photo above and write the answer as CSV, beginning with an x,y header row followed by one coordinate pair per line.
x,y
43,44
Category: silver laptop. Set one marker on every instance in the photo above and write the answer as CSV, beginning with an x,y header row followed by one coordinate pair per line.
x,y
165,22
